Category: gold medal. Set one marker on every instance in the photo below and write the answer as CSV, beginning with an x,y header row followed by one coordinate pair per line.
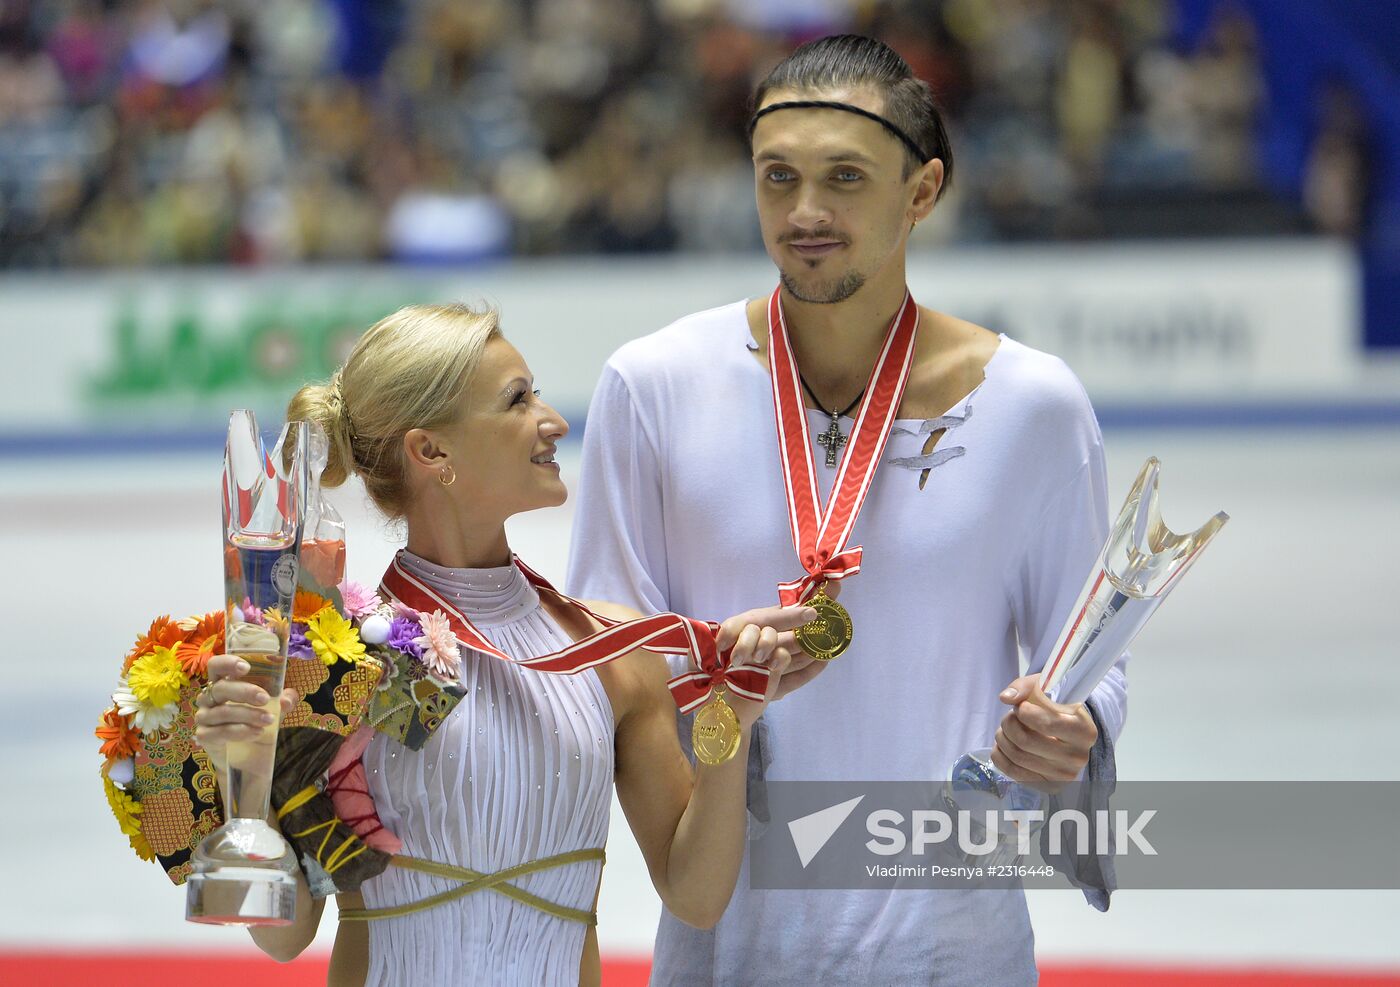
x,y
715,736
830,633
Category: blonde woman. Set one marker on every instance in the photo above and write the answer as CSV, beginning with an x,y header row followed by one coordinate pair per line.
x,y
438,415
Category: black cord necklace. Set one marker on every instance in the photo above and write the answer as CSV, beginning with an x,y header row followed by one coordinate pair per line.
x,y
832,439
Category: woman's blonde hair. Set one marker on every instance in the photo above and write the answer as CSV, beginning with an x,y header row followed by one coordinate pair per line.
x,y
409,370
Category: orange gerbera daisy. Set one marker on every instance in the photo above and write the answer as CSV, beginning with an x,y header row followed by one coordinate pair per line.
x,y
163,633
119,738
210,627
194,658
307,605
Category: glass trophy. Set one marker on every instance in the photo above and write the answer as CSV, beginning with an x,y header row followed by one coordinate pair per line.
x,y
323,544
244,873
1141,562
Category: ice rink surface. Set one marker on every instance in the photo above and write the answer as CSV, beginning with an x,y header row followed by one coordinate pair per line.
x,y
1276,659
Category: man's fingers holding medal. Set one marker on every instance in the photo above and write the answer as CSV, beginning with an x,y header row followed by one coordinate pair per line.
x,y
801,670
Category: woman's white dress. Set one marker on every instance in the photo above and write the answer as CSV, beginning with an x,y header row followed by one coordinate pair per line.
x,y
521,769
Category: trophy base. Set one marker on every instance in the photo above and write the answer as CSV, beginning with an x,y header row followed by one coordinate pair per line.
x,y
241,896
976,786
244,874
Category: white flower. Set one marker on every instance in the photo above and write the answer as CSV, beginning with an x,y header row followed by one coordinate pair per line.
x,y
439,644
157,719
126,702
146,718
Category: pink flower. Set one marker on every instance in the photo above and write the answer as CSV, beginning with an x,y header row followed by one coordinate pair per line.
x,y
401,609
439,645
251,614
359,600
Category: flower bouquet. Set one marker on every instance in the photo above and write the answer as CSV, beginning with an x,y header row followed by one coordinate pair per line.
x,y
357,664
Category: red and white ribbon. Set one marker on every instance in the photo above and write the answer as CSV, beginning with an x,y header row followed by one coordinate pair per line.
x,y
664,633
818,534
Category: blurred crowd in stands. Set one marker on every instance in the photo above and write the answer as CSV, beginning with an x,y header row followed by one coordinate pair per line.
x,y
267,131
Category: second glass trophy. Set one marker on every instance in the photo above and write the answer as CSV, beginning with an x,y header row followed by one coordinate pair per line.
x,y
1140,563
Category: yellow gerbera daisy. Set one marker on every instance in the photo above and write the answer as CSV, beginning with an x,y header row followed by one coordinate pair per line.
x,y
141,845
124,807
273,618
157,678
334,638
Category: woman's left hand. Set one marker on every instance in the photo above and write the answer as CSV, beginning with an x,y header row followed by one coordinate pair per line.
x,y
765,637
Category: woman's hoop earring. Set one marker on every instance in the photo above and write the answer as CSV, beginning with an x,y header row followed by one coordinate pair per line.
x,y
447,476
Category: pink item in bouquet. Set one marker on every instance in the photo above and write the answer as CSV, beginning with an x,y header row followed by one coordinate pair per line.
x,y
349,791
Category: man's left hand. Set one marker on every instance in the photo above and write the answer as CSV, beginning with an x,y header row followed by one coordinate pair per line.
x,y
1042,743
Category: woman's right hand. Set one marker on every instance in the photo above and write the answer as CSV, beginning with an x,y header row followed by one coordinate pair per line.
x,y
795,668
229,710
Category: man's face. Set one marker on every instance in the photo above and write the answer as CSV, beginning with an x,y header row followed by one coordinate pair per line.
x,y
833,201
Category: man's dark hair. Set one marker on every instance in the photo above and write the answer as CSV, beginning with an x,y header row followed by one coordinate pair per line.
x,y
851,60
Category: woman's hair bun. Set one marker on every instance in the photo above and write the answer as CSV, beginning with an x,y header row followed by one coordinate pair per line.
x,y
325,405
409,370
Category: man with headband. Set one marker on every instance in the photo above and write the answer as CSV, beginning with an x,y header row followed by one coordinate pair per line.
x,y
961,473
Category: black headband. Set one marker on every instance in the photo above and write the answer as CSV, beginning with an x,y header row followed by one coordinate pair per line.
x,y
823,104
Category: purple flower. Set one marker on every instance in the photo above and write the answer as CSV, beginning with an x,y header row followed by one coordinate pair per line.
x,y
401,635
297,644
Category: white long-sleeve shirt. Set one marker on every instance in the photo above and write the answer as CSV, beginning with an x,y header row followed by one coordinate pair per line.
x,y
681,507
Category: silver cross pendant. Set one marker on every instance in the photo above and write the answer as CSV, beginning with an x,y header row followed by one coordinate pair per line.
x,y
832,440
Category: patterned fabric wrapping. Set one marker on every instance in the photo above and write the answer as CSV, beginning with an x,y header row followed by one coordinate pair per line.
x,y
409,707
175,784
175,781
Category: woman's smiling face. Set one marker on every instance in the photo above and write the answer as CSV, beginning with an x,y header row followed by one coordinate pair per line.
x,y
502,443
